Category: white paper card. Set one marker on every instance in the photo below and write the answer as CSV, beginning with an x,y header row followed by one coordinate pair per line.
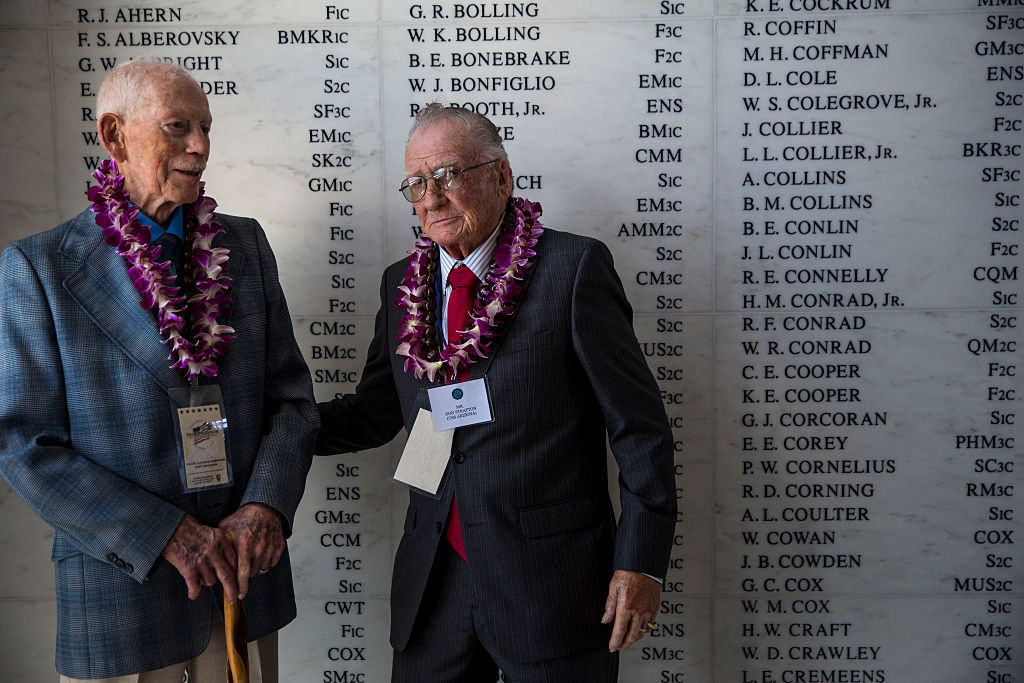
x,y
202,437
425,457
460,405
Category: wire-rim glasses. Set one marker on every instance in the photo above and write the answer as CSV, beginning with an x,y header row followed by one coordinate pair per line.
x,y
447,179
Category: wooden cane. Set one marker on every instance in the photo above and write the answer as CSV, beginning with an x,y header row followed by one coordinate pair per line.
x,y
235,639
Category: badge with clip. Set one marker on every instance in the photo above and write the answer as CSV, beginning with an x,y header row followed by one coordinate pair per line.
x,y
428,450
201,432
460,405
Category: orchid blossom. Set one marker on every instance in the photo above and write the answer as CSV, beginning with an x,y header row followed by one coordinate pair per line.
x,y
193,353
495,301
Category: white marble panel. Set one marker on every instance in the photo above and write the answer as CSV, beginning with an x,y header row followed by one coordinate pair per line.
x,y
335,350
893,166
22,13
341,545
900,516
28,202
337,635
27,640
25,568
891,638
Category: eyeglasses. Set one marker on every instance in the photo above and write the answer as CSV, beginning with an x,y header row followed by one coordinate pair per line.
x,y
446,179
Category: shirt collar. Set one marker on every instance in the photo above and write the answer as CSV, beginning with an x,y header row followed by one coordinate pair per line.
x,y
479,260
176,226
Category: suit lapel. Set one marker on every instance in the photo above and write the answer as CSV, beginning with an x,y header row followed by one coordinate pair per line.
x,y
100,285
236,258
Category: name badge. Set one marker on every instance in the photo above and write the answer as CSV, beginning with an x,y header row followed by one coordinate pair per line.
x,y
201,427
460,405
202,439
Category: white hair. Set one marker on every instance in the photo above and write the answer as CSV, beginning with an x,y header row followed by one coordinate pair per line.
x,y
478,127
127,85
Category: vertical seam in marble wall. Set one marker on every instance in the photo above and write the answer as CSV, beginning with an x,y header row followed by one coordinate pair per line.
x,y
714,336
49,26
389,491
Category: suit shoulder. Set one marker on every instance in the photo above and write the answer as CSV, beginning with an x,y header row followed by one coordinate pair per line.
x,y
567,245
570,241
242,226
226,219
67,243
396,271
242,235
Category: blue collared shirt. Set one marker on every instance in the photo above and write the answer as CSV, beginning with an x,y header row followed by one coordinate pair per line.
x,y
176,227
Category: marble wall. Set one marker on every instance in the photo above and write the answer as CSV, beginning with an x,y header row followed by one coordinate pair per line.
x,y
814,206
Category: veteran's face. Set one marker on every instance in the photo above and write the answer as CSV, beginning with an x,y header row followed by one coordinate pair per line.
x,y
166,146
458,221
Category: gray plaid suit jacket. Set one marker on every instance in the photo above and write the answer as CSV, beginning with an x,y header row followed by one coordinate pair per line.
x,y
86,438
532,485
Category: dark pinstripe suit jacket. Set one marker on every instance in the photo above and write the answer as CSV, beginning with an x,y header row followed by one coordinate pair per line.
x,y
86,438
537,520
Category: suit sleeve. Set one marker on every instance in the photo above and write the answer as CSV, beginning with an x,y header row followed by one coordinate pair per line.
x,y
107,516
290,418
372,416
638,430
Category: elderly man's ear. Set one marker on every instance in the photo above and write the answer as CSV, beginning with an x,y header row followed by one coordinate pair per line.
x,y
111,130
505,180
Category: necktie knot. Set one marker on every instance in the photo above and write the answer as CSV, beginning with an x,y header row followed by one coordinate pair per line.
x,y
171,252
462,276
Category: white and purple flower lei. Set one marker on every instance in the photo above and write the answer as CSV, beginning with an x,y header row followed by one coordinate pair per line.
x,y
210,295
497,297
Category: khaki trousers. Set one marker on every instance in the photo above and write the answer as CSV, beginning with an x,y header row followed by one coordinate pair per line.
x,y
209,667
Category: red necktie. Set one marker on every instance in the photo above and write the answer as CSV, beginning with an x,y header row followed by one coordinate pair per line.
x,y
460,304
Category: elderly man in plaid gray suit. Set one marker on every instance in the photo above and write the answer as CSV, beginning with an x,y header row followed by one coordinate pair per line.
x,y
146,434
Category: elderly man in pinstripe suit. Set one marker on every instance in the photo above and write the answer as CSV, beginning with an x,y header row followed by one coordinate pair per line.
x,y
518,563
139,464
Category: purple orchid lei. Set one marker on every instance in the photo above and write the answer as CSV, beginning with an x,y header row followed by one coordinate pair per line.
x,y
193,355
496,298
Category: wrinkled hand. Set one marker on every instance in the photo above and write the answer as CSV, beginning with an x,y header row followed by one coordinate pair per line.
x,y
633,601
259,540
202,555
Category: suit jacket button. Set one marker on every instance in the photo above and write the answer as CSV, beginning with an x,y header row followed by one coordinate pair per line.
x,y
437,527
112,557
120,564
459,456
128,568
